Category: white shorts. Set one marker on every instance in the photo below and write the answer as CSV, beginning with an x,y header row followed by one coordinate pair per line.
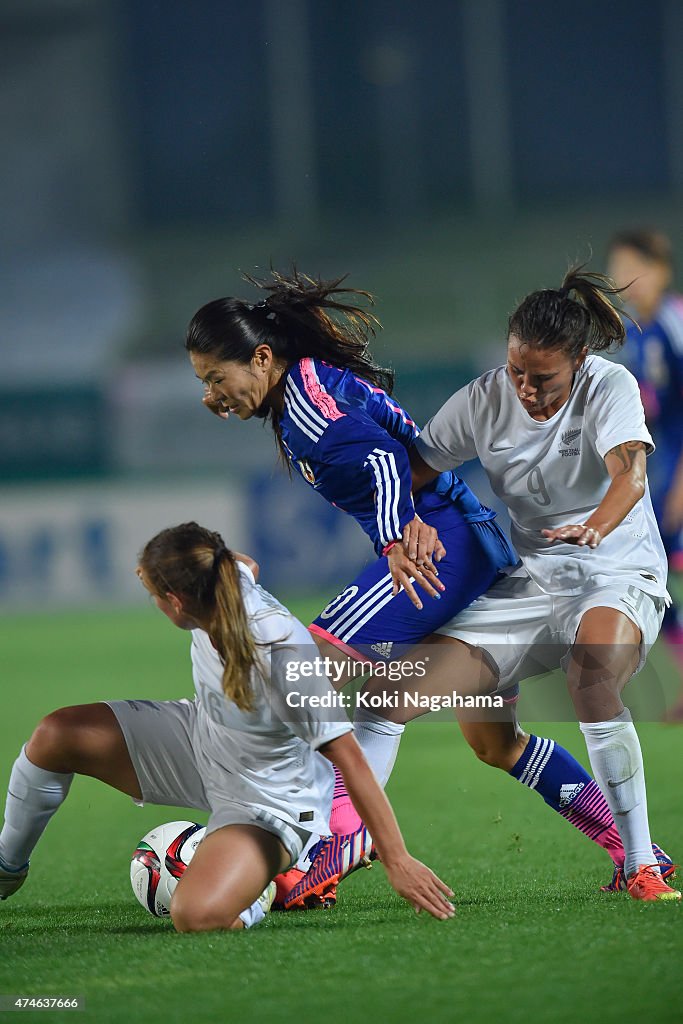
x,y
526,631
158,735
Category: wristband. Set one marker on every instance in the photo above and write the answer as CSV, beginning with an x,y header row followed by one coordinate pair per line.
x,y
390,545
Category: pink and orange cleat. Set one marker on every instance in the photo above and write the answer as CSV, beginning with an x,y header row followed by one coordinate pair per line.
x,y
334,858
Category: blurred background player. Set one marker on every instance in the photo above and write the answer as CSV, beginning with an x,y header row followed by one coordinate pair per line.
x,y
300,358
641,262
238,750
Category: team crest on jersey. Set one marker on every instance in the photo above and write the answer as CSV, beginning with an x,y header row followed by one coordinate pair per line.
x,y
568,442
306,471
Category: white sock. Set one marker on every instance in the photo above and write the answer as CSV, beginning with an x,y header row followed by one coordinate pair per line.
x,y
252,915
33,796
379,740
617,763
304,862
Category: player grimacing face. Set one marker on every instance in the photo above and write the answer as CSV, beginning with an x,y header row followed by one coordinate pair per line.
x,y
542,378
239,389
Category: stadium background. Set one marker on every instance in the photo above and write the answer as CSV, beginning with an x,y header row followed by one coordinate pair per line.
x,y
449,156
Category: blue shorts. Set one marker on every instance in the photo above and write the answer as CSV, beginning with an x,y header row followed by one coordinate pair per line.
x,y
365,620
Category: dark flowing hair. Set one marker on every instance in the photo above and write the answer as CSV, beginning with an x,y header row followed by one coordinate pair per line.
x,y
577,315
300,316
194,564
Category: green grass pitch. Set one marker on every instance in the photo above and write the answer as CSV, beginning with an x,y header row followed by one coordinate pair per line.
x,y
533,938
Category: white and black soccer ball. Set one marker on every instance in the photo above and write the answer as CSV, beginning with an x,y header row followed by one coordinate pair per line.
x,y
159,860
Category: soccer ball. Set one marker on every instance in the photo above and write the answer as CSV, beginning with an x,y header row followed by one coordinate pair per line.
x,y
160,859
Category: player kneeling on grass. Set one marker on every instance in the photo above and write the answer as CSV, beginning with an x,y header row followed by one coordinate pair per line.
x,y
237,750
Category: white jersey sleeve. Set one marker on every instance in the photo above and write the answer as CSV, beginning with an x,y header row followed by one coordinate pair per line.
x,y
448,439
617,411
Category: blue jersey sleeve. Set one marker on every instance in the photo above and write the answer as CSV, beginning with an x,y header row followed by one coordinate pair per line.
x,y
350,458
382,462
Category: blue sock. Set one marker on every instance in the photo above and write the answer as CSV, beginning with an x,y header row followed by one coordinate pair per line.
x,y
552,771
568,788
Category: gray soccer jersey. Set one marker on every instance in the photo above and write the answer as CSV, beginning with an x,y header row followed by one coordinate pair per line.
x,y
551,473
267,757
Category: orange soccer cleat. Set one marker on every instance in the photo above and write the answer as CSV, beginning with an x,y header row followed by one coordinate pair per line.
x,y
647,884
288,880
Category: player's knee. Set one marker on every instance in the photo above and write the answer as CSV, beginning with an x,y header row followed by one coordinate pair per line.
x,y
54,738
596,694
194,915
502,751
187,922
491,754
187,915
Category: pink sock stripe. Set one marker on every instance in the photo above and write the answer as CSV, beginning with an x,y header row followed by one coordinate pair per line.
x,y
592,833
317,393
589,811
336,642
611,840
339,787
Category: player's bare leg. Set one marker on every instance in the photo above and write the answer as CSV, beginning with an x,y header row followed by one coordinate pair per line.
x,y
227,884
85,739
500,743
346,669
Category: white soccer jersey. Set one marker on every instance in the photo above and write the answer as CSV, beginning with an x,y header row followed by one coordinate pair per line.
x,y
551,473
269,753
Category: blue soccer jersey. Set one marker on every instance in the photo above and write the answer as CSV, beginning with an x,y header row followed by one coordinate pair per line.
x,y
655,358
349,440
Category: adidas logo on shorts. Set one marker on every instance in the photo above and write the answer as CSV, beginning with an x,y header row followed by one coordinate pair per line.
x,y
383,649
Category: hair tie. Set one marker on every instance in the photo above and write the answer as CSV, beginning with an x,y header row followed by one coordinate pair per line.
x,y
263,304
219,551
564,291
